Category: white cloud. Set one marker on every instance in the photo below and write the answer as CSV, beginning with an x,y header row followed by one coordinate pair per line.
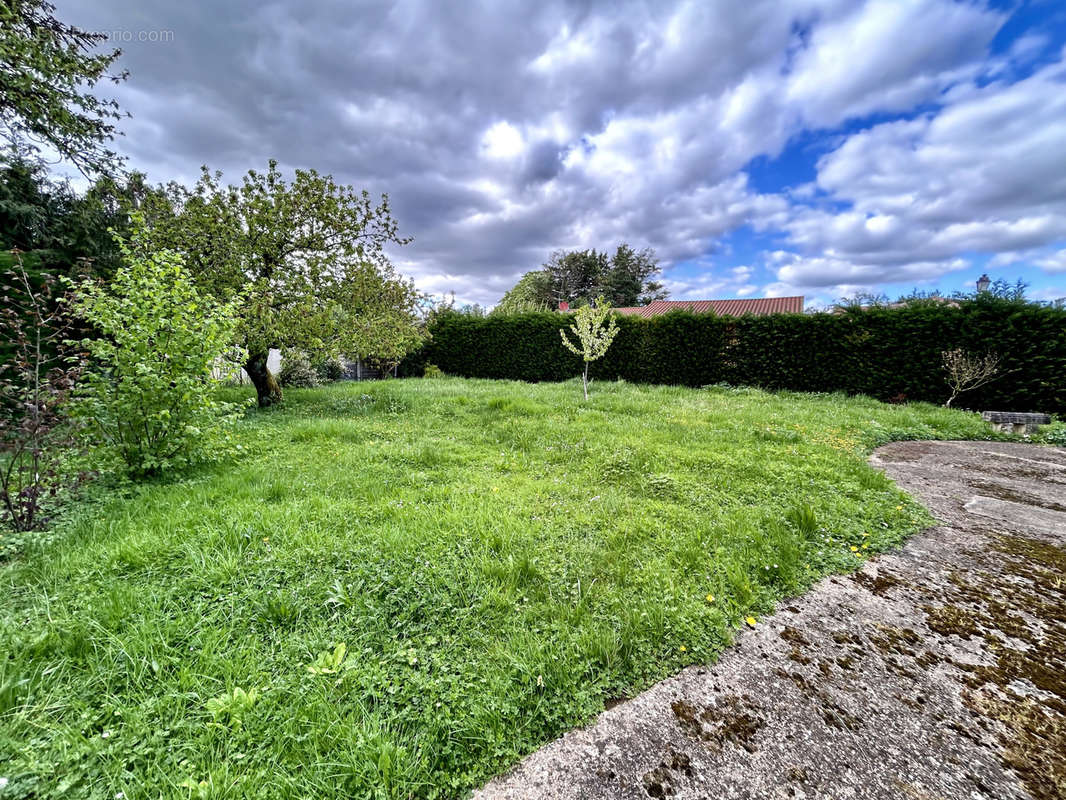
x,y
887,55
1055,262
503,134
503,141
982,175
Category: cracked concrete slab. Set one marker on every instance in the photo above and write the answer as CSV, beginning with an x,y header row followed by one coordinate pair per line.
x,y
936,672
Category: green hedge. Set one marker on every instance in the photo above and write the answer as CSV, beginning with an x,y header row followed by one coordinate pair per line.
x,y
887,353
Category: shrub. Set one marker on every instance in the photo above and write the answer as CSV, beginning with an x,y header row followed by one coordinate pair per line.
x,y
36,378
148,397
329,369
886,353
432,371
297,372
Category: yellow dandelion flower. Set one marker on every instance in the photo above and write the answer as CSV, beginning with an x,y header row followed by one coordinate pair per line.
x,y
899,508
854,549
495,488
750,621
682,648
710,598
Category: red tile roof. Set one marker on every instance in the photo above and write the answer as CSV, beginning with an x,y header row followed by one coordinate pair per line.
x,y
759,306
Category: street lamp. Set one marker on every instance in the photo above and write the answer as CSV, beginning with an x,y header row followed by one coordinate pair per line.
x,y
983,283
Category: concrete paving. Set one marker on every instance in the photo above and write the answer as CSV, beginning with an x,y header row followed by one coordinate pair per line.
x,y
936,672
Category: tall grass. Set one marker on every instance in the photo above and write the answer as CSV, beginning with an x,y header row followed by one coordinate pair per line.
x,y
498,559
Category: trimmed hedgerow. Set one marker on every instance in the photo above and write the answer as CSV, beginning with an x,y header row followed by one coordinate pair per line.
x,y
887,353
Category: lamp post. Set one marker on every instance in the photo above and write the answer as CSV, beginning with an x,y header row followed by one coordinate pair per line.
x,y
983,283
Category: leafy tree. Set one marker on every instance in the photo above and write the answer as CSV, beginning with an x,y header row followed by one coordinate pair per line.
x,y
58,229
47,72
629,281
532,293
578,277
593,335
308,256
36,379
61,234
149,396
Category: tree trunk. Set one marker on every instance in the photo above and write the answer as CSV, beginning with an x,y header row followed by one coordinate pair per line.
x,y
585,380
267,390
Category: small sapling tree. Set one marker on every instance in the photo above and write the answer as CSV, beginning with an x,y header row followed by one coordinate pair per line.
x,y
595,329
966,371
36,377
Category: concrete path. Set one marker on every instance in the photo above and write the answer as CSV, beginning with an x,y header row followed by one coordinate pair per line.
x,y
937,672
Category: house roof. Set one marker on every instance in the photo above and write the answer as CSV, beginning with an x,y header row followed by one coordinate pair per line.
x,y
759,306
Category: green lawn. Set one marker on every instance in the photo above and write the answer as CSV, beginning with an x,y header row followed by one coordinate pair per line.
x,y
499,560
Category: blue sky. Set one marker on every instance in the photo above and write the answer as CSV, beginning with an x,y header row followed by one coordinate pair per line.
x,y
814,147
1041,27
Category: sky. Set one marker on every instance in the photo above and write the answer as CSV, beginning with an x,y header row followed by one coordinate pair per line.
x,y
762,148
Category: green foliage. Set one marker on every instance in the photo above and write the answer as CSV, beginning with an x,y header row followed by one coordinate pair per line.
x,y
330,662
532,293
577,276
432,371
1053,434
580,276
887,353
296,371
630,279
493,588
329,369
148,397
47,70
595,329
62,234
309,257
228,709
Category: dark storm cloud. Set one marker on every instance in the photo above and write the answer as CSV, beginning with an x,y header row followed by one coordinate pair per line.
x,y
503,130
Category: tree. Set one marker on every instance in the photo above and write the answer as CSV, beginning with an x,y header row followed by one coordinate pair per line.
x,y
148,397
59,234
47,72
593,337
308,256
966,371
531,293
36,378
578,277
58,229
629,282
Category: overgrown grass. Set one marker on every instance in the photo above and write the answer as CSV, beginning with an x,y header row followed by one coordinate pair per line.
x,y
498,560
